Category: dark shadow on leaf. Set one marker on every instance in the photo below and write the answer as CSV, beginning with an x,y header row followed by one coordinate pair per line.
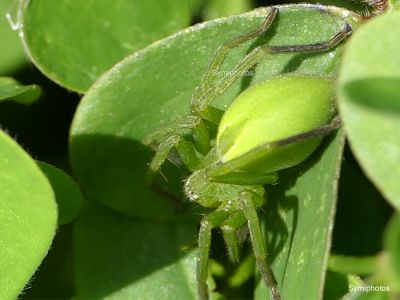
x,y
111,170
295,62
281,212
378,93
114,253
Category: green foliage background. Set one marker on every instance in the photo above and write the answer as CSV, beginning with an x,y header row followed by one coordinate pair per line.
x,y
82,82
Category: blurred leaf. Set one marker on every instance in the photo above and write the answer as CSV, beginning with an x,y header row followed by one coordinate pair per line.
x,y
154,86
370,113
243,272
10,89
195,6
67,192
371,296
379,93
299,219
355,6
392,244
12,55
73,42
336,286
117,257
395,3
352,264
28,217
222,8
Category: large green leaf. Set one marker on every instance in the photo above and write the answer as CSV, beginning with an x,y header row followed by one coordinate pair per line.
x,y
369,101
155,85
117,257
11,51
73,42
68,195
299,220
28,217
10,89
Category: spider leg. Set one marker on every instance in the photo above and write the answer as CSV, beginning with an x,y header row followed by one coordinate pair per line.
x,y
229,228
177,127
250,211
201,138
185,150
210,221
199,106
171,136
242,178
224,170
208,80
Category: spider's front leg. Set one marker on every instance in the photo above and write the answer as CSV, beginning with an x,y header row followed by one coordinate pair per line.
x,y
211,89
210,221
172,136
201,98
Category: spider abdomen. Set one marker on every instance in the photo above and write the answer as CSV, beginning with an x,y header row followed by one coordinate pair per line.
x,y
272,111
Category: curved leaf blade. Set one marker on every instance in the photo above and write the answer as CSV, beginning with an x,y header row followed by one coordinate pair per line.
x,y
10,89
369,101
68,195
74,42
114,259
28,217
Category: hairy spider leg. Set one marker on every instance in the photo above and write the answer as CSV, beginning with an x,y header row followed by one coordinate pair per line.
x,y
171,136
230,221
229,228
248,201
202,101
220,172
210,221
208,80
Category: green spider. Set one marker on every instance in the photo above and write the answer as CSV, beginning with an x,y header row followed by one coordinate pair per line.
x,y
230,176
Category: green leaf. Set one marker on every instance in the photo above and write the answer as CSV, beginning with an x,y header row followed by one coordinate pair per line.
x,y
28,217
369,101
336,286
155,85
353,264
12,55
68,195
117,257
73,42
395,3
392,245
10,89
299,220
221,8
